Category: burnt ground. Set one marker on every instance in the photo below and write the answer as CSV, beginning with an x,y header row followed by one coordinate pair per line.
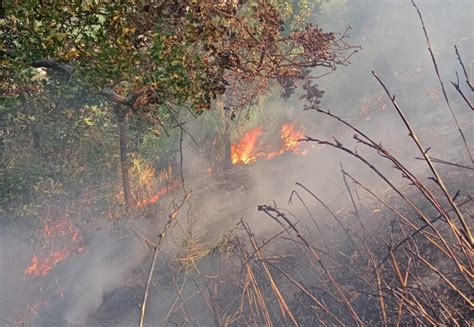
x,y
201,277
208,268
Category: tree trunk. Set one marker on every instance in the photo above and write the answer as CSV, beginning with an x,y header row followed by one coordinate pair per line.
x,y
2,10
122,115
227,142
226,115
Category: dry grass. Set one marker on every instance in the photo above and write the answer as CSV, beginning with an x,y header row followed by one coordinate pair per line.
x,y
403,258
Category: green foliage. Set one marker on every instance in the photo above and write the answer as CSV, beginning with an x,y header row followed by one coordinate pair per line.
x,y
174,52
115,44
170,57
52,155
158,149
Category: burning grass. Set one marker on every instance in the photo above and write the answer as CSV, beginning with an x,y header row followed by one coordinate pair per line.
x,y
59,239
402,258
398,258
378,260
361,264
393,259
253,145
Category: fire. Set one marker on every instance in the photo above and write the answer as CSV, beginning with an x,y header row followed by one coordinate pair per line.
x,y
156,196
61,239
43,267
244,151
250,147
290,137
149,184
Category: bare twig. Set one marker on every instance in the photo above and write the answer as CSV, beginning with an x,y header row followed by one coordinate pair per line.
x,y
330,212
468,82
458,88
277,215
320,231
444,162
181,158
156,249
433,169
285,310
441,83
449,282
356,211
183,301
418,230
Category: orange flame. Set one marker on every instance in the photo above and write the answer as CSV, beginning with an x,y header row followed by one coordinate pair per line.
x,y
158,194
290,137
244,151
250,148
61,239
43,267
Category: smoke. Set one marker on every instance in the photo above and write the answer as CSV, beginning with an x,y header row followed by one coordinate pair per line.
x,y
392,45
109,268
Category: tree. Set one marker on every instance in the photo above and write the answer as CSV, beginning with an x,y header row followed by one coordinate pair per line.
x,y
153,58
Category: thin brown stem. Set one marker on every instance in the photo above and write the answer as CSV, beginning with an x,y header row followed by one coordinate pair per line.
x,y
433,169
441,83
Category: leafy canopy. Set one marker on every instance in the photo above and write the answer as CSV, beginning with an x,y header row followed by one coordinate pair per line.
x,y
146,53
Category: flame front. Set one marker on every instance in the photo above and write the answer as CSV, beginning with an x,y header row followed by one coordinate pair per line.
x,y
290,137
245,151
250,147
41,267
61,239
157,195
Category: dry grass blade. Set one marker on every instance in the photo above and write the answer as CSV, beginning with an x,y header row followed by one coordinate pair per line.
x,y
306,292
285,310
277,215
260,302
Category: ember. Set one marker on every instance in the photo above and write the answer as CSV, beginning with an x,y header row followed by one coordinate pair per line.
x,y
250,147
61,239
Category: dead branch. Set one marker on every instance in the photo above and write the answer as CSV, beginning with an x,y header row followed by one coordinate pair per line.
x,y
444,162
442,85
277,215
423,151
468,82
156,249
458,88
59,67
285,310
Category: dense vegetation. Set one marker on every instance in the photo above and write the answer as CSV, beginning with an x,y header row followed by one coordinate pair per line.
x,y
74,72
96,98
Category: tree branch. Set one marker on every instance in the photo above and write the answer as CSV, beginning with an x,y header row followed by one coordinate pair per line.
x,y
67,70
468,82
60,67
